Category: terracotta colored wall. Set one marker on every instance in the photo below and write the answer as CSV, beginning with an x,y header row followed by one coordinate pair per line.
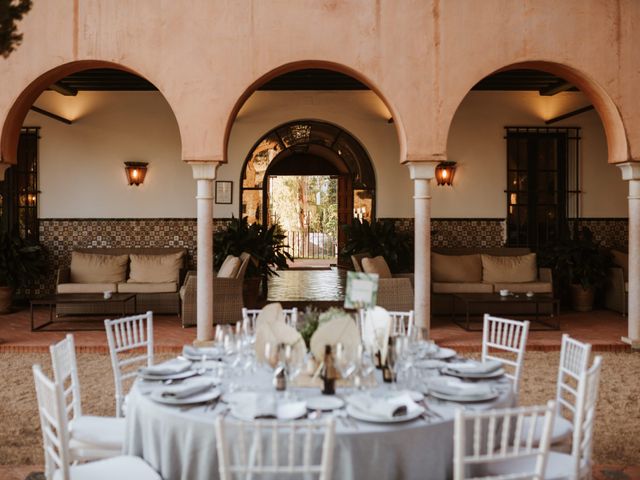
x,y
421,56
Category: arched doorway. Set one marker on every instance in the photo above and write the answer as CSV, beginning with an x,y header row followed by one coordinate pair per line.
x,y
305,149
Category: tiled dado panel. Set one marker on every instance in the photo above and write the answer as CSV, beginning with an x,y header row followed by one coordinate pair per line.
x,y
611,232
460,232
60,236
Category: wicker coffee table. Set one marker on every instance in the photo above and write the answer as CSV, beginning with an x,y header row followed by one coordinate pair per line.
x,y
79,298
552,321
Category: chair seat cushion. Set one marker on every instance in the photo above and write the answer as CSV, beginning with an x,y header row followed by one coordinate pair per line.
x,y
558,467
105,432
167,287
118,468
86,287
466,287
535,287
562,429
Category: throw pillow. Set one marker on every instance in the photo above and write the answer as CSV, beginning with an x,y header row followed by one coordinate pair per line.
x,y
621,259
509,268
162,268
376,265
230,267
98,268
456,268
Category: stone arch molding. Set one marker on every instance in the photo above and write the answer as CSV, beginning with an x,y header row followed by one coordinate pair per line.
x,y
323,64
617,145
20,107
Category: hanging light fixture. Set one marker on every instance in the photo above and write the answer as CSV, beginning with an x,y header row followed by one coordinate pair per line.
x,y
136,172
445,172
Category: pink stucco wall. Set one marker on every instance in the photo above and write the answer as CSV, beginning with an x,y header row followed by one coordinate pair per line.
x,y
421,56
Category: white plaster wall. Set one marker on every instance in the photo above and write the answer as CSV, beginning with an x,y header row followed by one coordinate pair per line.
x,y
476,142
82,171
82,165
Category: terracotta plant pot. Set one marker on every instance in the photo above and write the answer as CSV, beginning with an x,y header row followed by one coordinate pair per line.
x,y
6,295
582,298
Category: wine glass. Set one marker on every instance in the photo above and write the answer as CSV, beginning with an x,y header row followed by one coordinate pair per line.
x,y
270,354
395,356
345,360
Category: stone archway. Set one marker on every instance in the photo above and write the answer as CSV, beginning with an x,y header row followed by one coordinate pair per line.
x,y
305,148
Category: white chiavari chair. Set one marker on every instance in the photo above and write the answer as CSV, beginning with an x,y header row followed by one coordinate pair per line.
x,y
90,437
290,315
574,361
402,323
302,449
492,456
505,336
55,435
126,337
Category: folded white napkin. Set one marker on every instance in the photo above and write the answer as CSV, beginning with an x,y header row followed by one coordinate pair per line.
x,y
259,406
188,388
341,329
170,367
271,327
475,367
376,331
459,389
388,407
199,352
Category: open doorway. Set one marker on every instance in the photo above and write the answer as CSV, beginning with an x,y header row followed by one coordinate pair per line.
x,y
306,207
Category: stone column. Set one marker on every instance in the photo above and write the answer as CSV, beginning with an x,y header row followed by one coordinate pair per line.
x,y
421,173
204,173
631,173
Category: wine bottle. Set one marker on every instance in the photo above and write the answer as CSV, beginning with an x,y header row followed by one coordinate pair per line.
x,y
328,373
387,373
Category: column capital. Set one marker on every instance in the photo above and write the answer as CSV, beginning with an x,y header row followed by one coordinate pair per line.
x,y
204,170
630,170
422,170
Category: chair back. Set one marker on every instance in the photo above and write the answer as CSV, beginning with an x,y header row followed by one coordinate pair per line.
x,y
127,336
574,361
505,336
491,442
402,323
290,315
65,372
582,444
246,449
53,421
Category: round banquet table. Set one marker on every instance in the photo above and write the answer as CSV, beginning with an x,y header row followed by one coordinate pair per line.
x,y
181,443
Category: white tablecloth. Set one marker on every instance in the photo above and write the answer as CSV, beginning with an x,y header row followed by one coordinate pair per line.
x,y
181,444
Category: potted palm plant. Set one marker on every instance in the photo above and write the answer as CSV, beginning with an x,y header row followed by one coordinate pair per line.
x,y
20,262
266,246
580,265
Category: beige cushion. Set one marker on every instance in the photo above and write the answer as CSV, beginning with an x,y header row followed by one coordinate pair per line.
x,y
509,269
621,260
468,287
131,287
535,287
96,268
376,265
230,267
155,268
456,268
86,287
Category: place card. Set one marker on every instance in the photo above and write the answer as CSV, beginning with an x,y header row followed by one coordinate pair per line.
x,y
362,290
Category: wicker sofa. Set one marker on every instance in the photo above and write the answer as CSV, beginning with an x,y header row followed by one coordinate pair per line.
x,y
617,290
157,296
227,296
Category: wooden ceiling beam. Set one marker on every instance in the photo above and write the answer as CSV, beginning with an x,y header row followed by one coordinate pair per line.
x,y
63,89
561,86
569,114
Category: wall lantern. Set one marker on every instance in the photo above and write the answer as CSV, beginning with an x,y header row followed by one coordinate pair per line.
x,y
445,172
136,172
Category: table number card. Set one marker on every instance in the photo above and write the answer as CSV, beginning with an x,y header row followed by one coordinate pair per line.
x,y
362,290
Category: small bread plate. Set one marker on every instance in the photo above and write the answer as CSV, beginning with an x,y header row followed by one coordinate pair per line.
x,y
367,417
201,397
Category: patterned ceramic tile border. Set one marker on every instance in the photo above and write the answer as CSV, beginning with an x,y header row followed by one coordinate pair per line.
x,y
59,236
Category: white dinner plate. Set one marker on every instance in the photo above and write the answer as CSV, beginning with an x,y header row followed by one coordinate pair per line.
x,y
495,374
201,397
237,397
413,394
466,398
172,376
430,363
367,417
324,403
